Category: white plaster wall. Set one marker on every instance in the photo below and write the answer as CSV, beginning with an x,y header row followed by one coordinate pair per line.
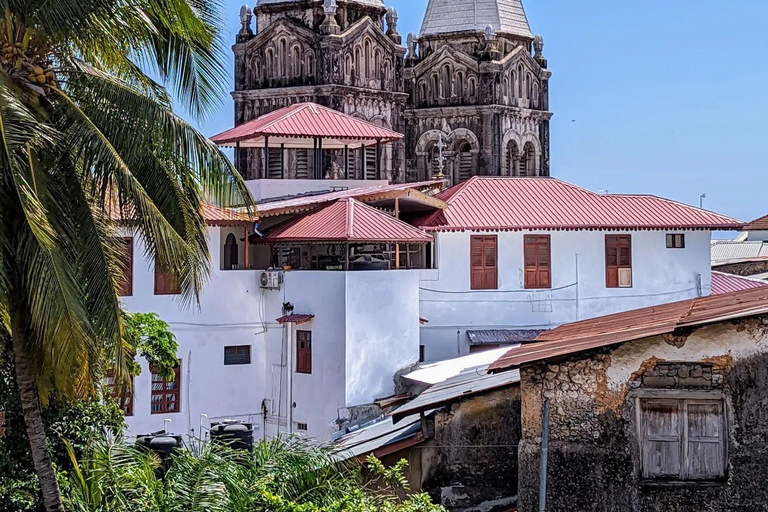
x,y
230,313
659,275
382,331
265,189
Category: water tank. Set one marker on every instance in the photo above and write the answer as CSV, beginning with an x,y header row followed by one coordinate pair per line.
x,y
236,434
162,443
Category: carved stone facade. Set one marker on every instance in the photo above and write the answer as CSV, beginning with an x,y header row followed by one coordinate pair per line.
x,y
483,92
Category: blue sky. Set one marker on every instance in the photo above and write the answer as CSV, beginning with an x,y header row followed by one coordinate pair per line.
x,y
666,97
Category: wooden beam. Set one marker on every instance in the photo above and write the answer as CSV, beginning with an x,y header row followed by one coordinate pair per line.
x,y
246,264
346,162
397,246
378,159
346,256
282,161
266,157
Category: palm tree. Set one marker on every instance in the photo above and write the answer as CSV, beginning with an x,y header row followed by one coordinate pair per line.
x,y
86,135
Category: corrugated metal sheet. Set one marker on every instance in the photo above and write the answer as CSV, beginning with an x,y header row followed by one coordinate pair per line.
x,y
377,436
432,373
760,224
727,250
501,336
218,216
727,283
496,203
346,220
455,388
306,120
304,203
446,16
632,325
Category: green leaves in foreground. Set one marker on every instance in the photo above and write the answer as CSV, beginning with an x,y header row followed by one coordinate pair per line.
x,y
282,475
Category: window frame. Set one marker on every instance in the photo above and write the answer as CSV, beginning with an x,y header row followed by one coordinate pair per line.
x,y
237,350
537,269
305,366
125,402
682,398
165,284
126,290
484,241
165,391
672,240
610,268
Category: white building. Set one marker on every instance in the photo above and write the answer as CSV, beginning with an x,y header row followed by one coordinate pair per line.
x,y
518,255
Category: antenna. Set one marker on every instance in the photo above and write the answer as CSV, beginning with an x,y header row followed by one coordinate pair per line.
x,y
702,197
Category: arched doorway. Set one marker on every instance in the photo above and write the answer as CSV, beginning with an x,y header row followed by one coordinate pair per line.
x,y
513,159
528,165
231,253
464,157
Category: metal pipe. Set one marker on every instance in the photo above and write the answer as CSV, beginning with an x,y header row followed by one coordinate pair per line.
x,y
543,462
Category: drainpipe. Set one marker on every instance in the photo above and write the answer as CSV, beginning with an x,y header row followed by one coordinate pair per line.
x,y
458,343
543,462
289,416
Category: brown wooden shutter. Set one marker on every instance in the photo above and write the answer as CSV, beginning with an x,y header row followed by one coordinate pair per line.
x,y
483,263
662,429
304,351
538,266
705,453
125,284
618,255
165,283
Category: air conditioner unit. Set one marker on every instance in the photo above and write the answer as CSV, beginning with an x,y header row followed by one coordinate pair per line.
x,y
271,279
625,278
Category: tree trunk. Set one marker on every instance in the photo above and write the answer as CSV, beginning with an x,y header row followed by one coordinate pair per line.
x,y
33,419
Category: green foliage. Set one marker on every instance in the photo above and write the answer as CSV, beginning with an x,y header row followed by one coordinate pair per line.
x,y
281,475
148,336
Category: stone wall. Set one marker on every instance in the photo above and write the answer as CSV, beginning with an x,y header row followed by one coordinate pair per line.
x,y
593,453
472,458
747,268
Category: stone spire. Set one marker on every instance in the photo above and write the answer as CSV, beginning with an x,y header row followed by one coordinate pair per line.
x,y
492,43
245,24
329,25
391,18
538,51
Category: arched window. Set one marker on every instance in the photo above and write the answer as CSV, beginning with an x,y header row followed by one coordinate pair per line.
x,y
269,63
460,84
472,88
529,83
231,254
367,58
432,160
296,61
520,81
505,88
377,64
435,87
348,66
464,156
310,65
513,83
422,91
535,95
513,159
528,162
446,92
282,58
358,62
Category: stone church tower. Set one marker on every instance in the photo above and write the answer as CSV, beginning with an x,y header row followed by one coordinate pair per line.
x,y
478,81
474,78
337,53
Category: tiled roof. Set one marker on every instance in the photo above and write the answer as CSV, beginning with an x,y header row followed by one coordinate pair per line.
x,y
633,325
445,16
305,121
213,215
496,203
346,220
295,319
760,224
727,283
305,203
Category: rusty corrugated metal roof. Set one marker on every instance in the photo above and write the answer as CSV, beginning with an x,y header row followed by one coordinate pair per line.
x,y
632,325
270,208
297,319
760,224
305,121
346,220
212,214
499,203
727,283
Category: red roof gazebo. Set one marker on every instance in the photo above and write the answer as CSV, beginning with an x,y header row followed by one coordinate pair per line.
x,y
305,126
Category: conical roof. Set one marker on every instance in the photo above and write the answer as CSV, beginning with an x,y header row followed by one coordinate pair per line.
x,y
446,16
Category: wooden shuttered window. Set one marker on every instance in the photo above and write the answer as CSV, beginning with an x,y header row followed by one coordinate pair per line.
x,y
682,439
483,263
618,261
239,354
303,351
538,264
123,395
675,241
125,265
166,395
165,283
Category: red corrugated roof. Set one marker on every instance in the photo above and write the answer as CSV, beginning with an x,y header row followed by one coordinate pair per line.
x,y
295,319
727,283
497,203
760,224
632,325
346,220
213,215
298,204
306,120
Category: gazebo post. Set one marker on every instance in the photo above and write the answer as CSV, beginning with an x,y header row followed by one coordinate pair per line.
x,y
407,255
246,263
378,159
362,161
237,156
282,161
266,157
346,161
319,158
346,256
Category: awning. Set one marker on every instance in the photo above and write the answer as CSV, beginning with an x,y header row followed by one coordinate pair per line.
x,y
295,319
502,336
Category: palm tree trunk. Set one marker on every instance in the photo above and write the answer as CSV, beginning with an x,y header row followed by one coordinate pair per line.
x,y
33,418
